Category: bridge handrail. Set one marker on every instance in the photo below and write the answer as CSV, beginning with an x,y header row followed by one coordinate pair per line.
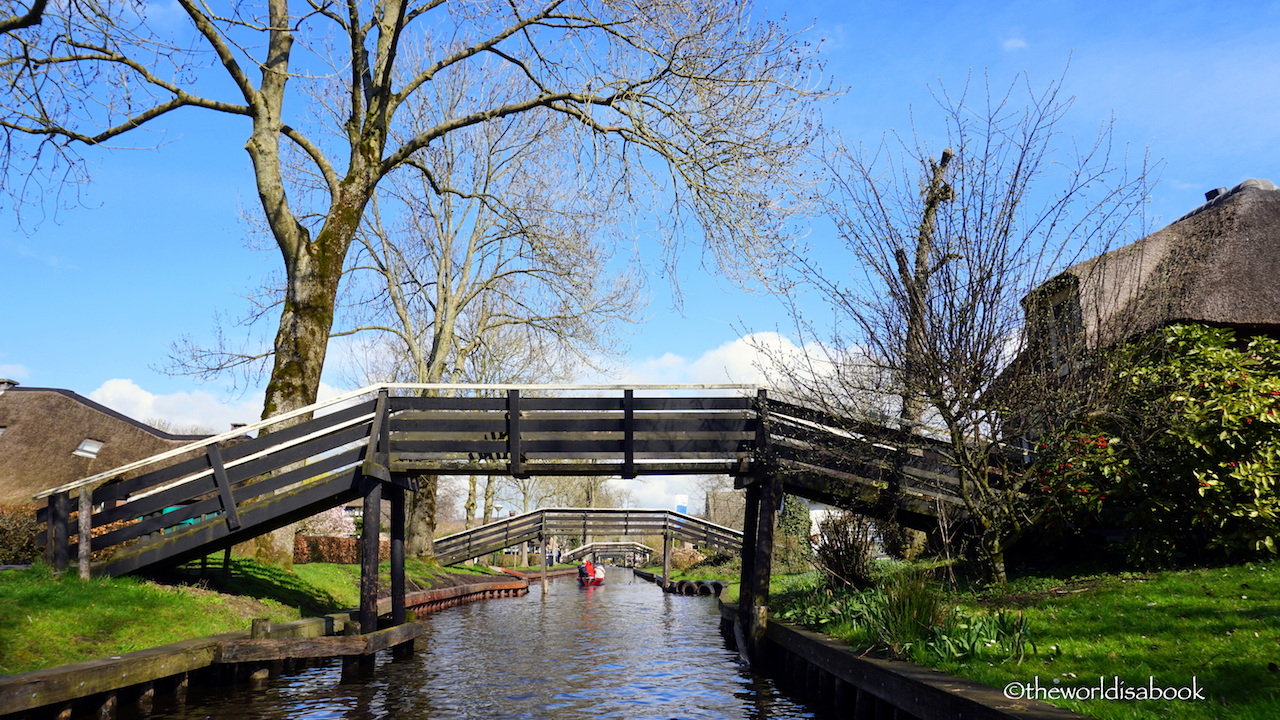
x,y
199,445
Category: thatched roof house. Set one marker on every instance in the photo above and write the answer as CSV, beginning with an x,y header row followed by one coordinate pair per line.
x,y
50,437
1215,265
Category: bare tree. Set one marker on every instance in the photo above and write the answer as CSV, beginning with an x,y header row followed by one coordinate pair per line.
x,y
28,17
695,113
945,246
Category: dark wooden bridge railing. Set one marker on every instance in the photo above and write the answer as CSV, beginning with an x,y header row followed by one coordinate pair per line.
x,y
624,436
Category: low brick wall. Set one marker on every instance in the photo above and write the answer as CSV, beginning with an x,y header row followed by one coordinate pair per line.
x,y
340,550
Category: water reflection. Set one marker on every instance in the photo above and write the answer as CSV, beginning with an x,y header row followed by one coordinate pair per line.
x,y
620,650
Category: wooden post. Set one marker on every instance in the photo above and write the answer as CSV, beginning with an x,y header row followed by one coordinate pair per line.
x,y
396,496
753,597
59,517
666,560
84,515
369,558
545,543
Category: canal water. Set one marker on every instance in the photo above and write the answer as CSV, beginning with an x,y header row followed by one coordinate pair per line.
x,y
624,649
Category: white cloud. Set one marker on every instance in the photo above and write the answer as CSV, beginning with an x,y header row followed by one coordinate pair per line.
x,y
1013,44
659,492
182,409
14,372
747,360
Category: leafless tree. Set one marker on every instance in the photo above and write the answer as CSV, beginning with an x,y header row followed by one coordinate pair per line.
x,y
25,17
944,247
696,113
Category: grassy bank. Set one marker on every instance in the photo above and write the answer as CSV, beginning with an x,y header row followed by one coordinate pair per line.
x,y
1217,630
53,620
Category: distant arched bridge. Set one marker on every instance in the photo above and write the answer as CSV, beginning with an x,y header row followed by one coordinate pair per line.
x,y
584,523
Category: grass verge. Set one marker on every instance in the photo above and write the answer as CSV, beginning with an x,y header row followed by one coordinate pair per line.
x,y
58,620
55,620
1217,628
1110,637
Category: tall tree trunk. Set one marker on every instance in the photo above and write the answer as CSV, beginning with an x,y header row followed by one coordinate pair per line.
x,y
421,518
469,509
305,321
490,490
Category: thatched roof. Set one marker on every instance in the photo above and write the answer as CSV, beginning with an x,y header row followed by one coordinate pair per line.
x,y
42,429
1215,265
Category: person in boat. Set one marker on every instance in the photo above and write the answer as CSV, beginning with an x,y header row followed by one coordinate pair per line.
x,y
585,570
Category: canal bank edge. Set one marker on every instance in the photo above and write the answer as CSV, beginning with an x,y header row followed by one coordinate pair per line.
x,y
829,676
53,692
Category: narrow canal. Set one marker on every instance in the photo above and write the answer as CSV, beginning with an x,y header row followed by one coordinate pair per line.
x,y
621,650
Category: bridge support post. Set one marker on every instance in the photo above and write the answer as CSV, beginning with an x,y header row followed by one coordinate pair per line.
x,y
369,558
757,561
396,496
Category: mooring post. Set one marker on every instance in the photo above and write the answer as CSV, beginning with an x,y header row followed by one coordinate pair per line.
x,y
545,542
666,560
369,558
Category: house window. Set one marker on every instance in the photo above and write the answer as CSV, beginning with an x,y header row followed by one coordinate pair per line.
x,y
1058,324
88,448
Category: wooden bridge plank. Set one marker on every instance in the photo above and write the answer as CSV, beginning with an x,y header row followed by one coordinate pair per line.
x,y
238,476
530,403
435,465
552,447
259,516
211,505
240,651
231,453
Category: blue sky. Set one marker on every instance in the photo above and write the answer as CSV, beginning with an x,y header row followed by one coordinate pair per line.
x,y
93,295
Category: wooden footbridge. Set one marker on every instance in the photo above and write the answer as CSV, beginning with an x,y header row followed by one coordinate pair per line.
x,y
584,523
377,441
615,550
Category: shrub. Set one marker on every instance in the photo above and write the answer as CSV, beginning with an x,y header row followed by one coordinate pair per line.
x,y
1184,463
845,549
685,558
905,610
792,552
333,522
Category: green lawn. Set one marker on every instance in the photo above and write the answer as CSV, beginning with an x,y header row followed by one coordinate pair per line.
x,y
1215,630
53,620
1218,628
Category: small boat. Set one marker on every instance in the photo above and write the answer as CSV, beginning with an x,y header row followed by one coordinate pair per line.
x,y
589,574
